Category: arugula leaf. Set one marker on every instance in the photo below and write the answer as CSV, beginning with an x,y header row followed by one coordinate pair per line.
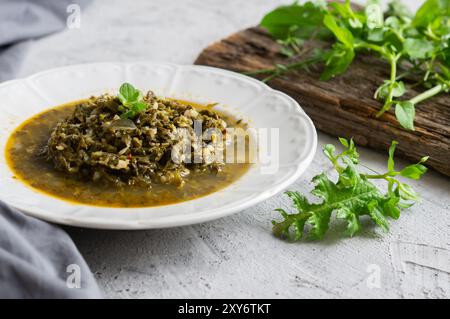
x,y
415,171
376,34
390,164
397,8
440,26
418,48
341,33
305,18
338,61
131,99
355,20
430,10
391,207
405,112
395,88
377,215
350,197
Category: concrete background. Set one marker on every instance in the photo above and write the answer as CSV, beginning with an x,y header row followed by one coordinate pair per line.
x,y
237,256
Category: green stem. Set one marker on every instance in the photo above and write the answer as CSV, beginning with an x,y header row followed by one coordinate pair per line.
x,y
429,68
444,82
427,94
370,169
388,102
398,34
288,67
350,10
376,176
260,71
370,46
272,76
393,59
431,35
403,75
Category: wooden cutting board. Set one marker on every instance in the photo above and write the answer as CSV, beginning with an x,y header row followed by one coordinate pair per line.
x,y
343,106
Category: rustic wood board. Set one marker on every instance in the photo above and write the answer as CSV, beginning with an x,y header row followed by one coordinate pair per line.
x,y
343,106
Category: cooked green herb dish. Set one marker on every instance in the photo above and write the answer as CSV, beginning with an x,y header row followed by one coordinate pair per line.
x,y
95,142
125,150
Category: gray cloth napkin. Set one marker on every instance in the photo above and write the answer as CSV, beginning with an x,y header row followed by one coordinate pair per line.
x,y
37,259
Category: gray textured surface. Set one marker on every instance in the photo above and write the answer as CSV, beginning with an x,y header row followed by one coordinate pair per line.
x,y
237,256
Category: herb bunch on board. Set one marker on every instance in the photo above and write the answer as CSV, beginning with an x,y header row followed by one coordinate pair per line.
x,y
419,43
352,196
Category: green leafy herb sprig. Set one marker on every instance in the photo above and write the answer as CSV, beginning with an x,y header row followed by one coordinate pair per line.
x,y
350,197
420,43
131,99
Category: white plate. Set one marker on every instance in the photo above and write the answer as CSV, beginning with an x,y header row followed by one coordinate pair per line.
x,y
242,96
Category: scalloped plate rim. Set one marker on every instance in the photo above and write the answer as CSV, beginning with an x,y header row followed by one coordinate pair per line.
x,y
99,222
